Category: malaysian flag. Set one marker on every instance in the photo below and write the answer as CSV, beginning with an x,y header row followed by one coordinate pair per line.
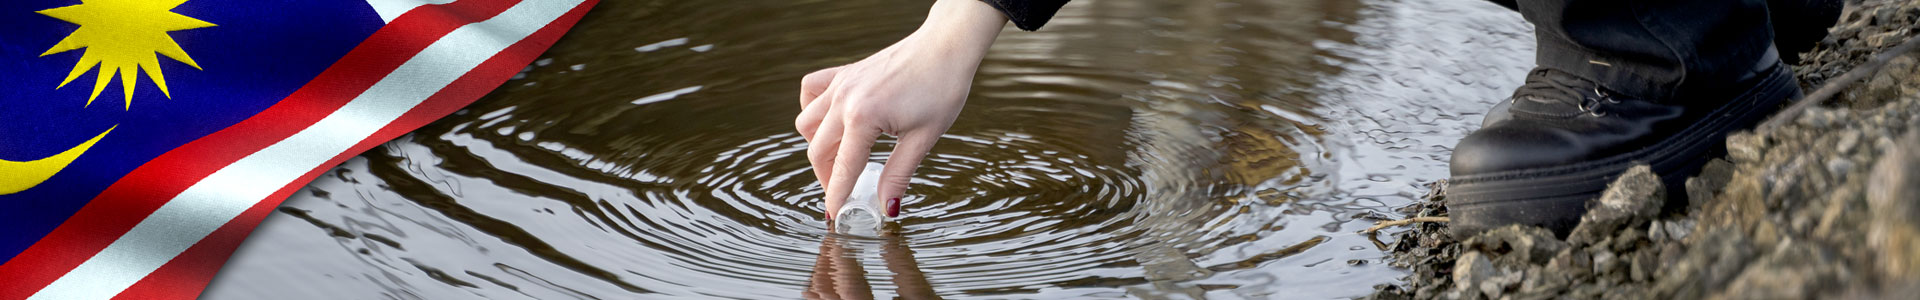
x,y
141,140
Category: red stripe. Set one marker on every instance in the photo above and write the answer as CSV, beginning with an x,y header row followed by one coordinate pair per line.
x,y
186,275
136,195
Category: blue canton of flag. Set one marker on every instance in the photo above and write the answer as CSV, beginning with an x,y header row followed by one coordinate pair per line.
x,y
146,137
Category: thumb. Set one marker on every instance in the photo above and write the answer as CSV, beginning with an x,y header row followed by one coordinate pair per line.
x,y
900,165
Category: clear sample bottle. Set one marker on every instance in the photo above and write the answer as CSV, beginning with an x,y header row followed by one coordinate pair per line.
x,y
862,213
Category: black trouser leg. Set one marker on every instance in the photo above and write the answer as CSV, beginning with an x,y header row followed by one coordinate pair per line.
x,y
1800,24
1650,49
1661,43
1797,24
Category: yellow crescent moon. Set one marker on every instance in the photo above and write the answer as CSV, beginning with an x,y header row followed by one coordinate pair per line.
x,y
16,176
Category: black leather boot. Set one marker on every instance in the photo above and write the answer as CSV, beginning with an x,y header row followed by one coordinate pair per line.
x,y
1562,139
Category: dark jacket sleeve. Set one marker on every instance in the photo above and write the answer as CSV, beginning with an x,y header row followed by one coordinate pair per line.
x,y
1028,15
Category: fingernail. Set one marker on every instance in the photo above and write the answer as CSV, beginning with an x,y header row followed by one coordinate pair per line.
x,y
893,208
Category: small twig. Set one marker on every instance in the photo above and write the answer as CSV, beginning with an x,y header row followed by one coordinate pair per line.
x,y
1377,226
1835,85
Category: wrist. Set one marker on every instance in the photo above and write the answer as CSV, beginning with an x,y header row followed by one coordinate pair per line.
x,y
963,29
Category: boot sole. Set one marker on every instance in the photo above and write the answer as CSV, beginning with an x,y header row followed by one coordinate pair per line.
x,y
1556,197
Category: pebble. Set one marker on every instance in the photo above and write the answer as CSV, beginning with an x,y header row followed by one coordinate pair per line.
x,y
1517,245
1471,269
1633,199
1745,147
1839,166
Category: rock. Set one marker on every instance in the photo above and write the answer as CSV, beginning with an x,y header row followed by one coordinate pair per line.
x,y
1516,245
1670,254
1680,228
1669,231
1885,17
1626,240
1741,202
1708,265
1839,167
1896,178
1644,264
1495,287
1471,269
1787,178
1638,192
1821,117
1605,262
1657,232
1717,171
1699,191
1848,142
1744,147
1799,271
1712,178
1543,284
1389,292
1630,201
1893,193
1766,235
1576,264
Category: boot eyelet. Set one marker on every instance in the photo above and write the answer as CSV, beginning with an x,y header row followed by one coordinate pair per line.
x,y
1597,92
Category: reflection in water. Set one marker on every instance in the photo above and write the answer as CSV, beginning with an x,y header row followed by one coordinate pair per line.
x,y
839,273
1134,148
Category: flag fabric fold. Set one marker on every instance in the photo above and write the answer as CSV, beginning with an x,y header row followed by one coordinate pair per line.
x,y
141,140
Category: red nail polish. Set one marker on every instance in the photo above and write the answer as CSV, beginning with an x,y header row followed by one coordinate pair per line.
x,y
893,208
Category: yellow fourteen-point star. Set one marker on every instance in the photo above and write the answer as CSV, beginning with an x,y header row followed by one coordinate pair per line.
x,y
122,37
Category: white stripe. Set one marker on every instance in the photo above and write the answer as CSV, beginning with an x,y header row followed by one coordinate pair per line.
x,y
220,197
389,9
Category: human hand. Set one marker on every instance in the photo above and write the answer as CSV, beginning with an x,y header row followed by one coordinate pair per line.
x,y
911,90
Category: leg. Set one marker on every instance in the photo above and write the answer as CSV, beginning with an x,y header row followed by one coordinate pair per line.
x,y
1649,49
1797,24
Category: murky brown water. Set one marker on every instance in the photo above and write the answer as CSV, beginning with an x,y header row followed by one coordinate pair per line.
x,y
1183,149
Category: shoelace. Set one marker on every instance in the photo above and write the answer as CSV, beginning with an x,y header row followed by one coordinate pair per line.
x,y
1548,85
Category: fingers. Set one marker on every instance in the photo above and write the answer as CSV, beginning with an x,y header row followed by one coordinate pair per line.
x,y
814,86
822,152
855,148
900,165
808,122
816,83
